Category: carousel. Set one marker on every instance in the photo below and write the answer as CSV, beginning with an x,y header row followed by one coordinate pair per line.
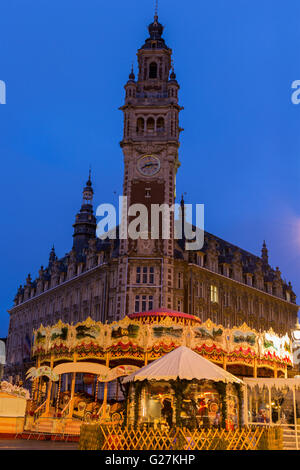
x,y
79,367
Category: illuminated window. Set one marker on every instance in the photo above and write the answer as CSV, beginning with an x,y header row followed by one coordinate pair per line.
x,y
214,294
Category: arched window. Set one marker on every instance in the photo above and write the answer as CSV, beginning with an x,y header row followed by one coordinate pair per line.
x,y
150,124
153,70
160,124
140,124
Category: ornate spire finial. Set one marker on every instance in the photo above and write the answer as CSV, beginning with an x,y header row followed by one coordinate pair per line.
x,y
52,256
88,190
156,11
264,254
173,75
132,76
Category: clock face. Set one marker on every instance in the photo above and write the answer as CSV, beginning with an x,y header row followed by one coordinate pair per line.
x,y
148,165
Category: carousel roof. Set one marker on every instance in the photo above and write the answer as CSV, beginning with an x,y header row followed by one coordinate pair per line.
x,y
164,312
182,363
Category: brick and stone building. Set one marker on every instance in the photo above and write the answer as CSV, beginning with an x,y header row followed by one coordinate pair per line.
x,y
108,279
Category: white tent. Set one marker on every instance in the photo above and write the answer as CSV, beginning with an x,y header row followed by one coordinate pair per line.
x,y
182,363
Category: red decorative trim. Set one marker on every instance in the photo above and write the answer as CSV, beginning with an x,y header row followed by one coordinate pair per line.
x,y
164,313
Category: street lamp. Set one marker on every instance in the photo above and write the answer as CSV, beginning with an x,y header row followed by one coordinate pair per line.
x,y
296,332
296,344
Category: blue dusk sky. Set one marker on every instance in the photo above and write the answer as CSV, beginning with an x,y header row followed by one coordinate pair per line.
x,y
65,63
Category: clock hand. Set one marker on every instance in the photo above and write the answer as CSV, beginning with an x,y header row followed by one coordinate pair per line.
x,y
149,165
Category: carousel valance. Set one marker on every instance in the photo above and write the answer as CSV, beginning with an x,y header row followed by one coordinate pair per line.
x,y
272,383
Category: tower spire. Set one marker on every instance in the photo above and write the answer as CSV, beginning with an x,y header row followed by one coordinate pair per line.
x,y
156,11
88,190
85,221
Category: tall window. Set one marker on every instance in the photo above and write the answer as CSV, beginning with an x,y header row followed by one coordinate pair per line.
x,y
200,260
150,124
153,70
143,303
180,280
226,299
225,270
199,289
214,297
140,124
145,275
160,124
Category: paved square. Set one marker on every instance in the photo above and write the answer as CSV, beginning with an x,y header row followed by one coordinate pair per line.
x,y
22,444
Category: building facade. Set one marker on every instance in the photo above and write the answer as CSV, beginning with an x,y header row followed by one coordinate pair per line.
x,y
108,279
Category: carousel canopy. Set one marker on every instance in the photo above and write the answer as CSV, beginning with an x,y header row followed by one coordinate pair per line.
x,y
182,363
273,382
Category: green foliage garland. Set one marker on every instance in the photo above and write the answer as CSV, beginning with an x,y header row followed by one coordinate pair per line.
x,y
221,388
239,392
179,387
138,386
125,390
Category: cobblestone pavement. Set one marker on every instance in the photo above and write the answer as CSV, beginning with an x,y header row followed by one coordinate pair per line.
x,y
20,444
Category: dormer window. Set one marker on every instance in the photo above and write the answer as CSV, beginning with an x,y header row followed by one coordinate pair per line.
x,y
225,270
249,279
200,259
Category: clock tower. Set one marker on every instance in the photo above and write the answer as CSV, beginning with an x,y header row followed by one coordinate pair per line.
x,y
150,147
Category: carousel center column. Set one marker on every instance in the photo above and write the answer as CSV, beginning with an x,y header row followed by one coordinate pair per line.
x,y
105,387
71,408
49,390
